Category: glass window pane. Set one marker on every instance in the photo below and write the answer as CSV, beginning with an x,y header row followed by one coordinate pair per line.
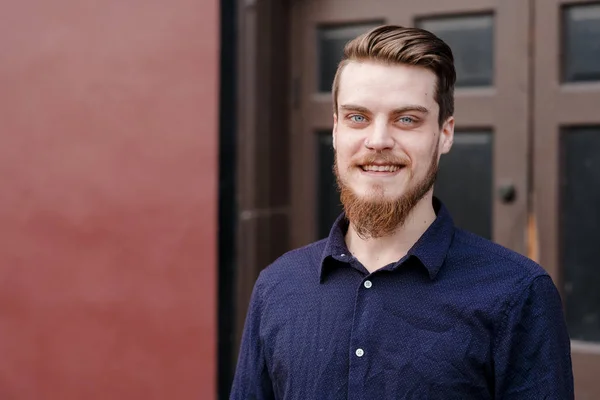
x,y
464,182
328,197
330,44
471,39
579,223
581,43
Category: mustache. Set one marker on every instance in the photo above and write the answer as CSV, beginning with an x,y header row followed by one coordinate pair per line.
x,y
382,158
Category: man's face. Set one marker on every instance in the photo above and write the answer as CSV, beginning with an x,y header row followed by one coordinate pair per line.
x,y
386,136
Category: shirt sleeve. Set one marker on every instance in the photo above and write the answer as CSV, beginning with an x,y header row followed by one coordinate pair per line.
x,y
532,351
251,380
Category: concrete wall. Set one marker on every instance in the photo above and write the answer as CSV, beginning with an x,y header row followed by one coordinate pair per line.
x,y
108,199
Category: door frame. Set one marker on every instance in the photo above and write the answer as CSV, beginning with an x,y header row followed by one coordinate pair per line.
x,y
559,105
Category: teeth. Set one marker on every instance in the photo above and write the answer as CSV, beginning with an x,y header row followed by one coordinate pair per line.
x,y
381,168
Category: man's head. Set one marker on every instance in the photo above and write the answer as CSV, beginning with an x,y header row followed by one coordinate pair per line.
x,y
393,97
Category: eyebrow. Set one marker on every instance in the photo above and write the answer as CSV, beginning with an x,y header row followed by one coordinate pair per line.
x,y
401,110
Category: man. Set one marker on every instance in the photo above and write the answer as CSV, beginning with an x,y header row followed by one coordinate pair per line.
x,y
398,303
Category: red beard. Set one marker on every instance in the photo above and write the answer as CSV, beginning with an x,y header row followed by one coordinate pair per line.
x,y
377,216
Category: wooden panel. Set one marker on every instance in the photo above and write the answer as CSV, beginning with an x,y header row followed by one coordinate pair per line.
x,y
474,108
578,104
555,105
558,105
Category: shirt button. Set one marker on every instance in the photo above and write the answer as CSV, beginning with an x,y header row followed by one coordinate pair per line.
x,y
368,284
360,352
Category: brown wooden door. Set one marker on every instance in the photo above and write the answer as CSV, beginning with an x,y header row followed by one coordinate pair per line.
x,y
490,154
527,122
567,170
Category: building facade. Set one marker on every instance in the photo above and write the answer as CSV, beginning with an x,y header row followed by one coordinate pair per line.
x,y
108,232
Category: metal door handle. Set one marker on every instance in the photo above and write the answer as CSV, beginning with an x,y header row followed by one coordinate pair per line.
x,y
507,193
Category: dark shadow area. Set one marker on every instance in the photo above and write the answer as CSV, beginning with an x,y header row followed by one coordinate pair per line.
x,y
227,202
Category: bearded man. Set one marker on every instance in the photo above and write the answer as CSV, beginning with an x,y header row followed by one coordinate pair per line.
x,y
398,303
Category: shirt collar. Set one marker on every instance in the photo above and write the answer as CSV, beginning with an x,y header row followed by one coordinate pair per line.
x,y
430,249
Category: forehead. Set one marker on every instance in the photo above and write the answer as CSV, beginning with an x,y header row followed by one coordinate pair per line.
x,y
381,87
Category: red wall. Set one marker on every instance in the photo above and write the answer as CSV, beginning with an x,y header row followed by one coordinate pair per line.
x,y
108,199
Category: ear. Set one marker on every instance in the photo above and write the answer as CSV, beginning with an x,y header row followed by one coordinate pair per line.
x,y
446,136
334,131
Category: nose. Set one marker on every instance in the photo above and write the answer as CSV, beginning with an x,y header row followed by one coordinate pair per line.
x,y
380,137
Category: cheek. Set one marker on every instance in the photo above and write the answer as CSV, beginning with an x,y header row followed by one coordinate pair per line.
x,y
342,161
423,153
349,147
344,151
423,163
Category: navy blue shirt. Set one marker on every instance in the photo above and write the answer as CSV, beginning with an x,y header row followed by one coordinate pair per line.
x,y
458,317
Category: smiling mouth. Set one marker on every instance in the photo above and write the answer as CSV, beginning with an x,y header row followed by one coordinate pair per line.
x,y
381,168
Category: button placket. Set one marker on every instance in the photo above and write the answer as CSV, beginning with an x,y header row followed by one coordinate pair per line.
x,y
360,339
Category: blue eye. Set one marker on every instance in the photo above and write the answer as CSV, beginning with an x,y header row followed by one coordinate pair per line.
x,y
357,118
406,120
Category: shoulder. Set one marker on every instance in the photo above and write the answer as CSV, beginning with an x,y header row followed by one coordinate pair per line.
x,y
286,283
296,264
502,280
493,262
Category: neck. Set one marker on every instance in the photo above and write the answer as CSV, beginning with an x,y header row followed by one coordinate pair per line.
x,y
375,253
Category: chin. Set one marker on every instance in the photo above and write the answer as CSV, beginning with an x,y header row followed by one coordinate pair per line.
x,y
377,194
